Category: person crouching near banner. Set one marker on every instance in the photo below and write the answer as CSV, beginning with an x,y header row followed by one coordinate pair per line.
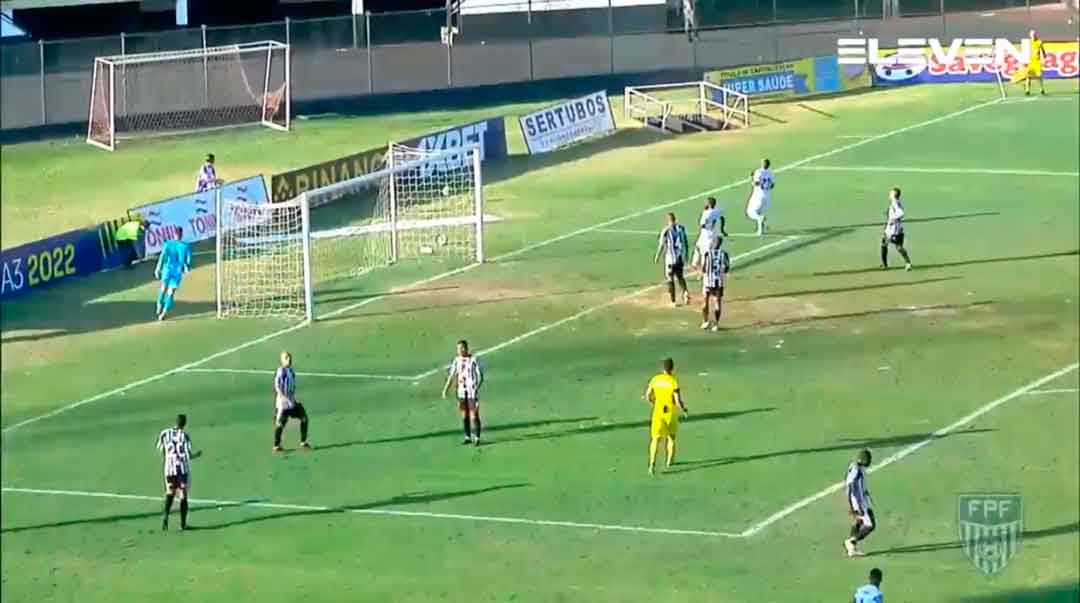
x,y
131,239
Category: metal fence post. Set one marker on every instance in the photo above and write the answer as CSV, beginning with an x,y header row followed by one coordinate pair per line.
x,y
944,21
123,69
288,32
611,35
367,36
205,68
529,26
41,70
775,35
354,32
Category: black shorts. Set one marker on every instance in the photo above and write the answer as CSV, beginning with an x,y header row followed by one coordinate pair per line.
x,y
896,239
715,291
675,270
179,480
282,416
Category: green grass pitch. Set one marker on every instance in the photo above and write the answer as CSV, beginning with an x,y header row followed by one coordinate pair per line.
x,y
960,375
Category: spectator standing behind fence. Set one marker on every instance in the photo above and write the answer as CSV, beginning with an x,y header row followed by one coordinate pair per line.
x,y
207,178
131,238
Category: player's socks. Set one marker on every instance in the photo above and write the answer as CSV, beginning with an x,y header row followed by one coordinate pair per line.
x,y
168,509
654,444
277,436
303,431
168,303
907,258
160,301
670,451
183,513
466,424
884,254
671,290
476,427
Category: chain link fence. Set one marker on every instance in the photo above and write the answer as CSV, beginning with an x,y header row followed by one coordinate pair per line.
x,y
48,82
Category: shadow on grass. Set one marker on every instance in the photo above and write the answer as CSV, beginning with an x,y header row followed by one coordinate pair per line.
x,y
395,501
197,510
843,444
1066,528
971,262
844,289
859,314
447,433
642,425
1060,593
472,303
881,224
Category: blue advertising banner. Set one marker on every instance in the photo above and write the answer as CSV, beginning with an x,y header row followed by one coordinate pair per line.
x,y
59,259
491,133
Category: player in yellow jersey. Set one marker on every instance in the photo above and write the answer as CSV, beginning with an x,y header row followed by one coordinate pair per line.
x,y
663,393
1034,68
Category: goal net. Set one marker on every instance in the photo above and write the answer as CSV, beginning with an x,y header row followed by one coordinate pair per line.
x,y
423,208
180,91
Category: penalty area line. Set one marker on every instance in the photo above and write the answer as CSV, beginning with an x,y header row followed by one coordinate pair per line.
x,y
389,512
505,256
591,309
909,450
932,170
302,374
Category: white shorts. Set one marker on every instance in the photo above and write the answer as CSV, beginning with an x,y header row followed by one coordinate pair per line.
x,y
757,205
861,514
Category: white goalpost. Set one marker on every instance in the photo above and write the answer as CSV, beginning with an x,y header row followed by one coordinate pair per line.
x,y
424,207
180,91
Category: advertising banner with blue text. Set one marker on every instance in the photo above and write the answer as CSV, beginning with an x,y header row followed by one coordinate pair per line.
x,y
559,125
802,77
58,259
194,212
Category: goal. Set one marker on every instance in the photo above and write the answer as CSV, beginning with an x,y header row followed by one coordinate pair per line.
x,y
425,208
186,90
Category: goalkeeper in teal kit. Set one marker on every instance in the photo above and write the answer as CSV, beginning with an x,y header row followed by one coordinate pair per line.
x,y
174,261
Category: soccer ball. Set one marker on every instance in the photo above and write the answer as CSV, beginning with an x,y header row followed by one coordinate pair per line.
x,y
440,240
446,190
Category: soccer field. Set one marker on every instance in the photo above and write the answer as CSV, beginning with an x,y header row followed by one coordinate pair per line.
x,y
961,376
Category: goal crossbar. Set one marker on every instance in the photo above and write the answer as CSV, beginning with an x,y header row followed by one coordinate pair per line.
x,y
147,57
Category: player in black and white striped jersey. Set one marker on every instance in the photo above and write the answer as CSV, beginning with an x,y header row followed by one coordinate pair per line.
x,y
285,404
673,247
858,501
466,370
175,446
715,264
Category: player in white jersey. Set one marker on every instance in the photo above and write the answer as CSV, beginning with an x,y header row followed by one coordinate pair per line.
x,y
207,179
175,447
758,203
715,265
894,230
466,370
858,501
712,219
286,405
870,593
672,245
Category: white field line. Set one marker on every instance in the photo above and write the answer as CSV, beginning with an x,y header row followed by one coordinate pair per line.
x,y
301,374
392,512
903,453
1043,392
1036,99
855,136
504,256
618,300
928,170
656,233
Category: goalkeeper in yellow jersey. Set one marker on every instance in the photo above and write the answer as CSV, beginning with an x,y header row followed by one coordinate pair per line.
x,y
1034,68
663,393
